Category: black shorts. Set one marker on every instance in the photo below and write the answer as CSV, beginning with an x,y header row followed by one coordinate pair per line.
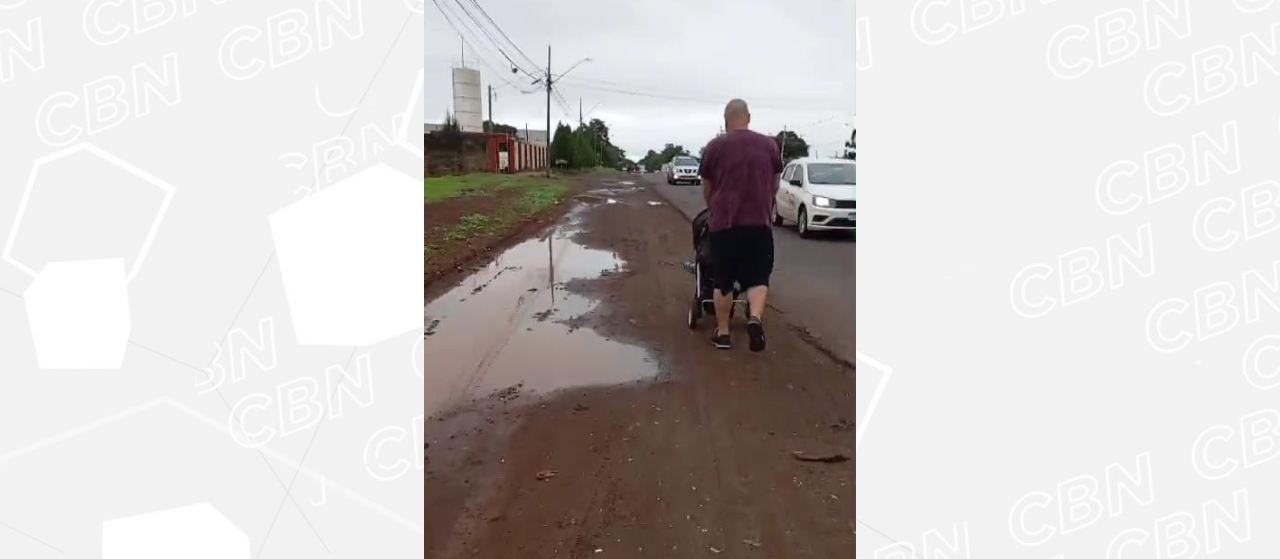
x,y
742,254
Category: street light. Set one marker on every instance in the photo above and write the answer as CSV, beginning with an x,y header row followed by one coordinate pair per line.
x,y
575,65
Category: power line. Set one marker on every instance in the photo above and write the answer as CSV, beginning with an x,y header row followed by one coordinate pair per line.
x,y
479,53
494,41
707,96
531,61
563,103
775,104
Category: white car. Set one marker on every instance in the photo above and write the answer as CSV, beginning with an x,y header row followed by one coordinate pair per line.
x,y
818,195
683,169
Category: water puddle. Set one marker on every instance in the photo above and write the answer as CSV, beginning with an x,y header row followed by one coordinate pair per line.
x,y
605,192
512,323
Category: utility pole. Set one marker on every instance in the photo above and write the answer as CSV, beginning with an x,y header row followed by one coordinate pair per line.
x,y
579,111
492,127
549,160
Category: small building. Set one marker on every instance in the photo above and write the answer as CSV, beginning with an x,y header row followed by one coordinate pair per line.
x,y
467,152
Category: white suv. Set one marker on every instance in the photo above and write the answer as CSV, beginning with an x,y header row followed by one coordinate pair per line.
x,y
818,195
683,169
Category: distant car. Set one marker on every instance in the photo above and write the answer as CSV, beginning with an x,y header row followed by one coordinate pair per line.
x,y
818,195
683,169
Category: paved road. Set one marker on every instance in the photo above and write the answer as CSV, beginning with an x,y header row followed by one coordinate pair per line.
x,y
813,279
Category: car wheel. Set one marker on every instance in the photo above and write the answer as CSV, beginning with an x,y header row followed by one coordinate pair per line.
x,y
802,224
777,218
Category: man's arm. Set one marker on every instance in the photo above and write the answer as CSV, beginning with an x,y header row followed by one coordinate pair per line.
x,y
706,191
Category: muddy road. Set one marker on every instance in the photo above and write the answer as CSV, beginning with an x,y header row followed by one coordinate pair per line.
x,y
571,413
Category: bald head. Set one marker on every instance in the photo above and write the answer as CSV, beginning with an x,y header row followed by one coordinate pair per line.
x,y
736,115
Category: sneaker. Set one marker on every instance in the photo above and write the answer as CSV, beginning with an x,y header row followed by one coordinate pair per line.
x,y
756,331
721,341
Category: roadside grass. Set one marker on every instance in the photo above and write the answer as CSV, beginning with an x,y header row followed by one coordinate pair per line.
x,y
442,188
537,194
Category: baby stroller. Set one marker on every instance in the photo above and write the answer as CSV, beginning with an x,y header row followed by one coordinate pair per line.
x,y
703,271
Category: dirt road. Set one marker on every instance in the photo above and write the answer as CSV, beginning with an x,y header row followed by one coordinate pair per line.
x,y
572,414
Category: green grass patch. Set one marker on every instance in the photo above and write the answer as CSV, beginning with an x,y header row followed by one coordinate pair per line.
x,y
469,227
442,188
540,198
523,197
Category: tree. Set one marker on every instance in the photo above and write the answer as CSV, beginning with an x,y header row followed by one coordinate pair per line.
x,y
562,144
500,128
851,146
612,155
793,146
601,130
669,152
584,156
650,161
450,124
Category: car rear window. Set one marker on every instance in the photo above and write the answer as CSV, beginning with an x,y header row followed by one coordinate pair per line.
x,y
833,173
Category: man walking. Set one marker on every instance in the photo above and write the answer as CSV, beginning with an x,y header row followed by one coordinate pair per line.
x,y
740,171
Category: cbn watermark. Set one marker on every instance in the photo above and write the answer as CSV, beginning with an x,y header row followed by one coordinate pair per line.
x,y
1222,222
27,49
300,404
1165,171
108,22
1116,36
241,348
332,159
1174,86
1034,293
1262,362
393,451
1039,516
933,544
934,22
288,37
1215,309
108,102
1185,534
1223,450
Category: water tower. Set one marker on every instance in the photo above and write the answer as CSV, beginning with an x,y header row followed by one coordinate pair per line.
x,y
467,106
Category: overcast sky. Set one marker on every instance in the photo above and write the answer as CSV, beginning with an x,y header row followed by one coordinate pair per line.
x,y
792,61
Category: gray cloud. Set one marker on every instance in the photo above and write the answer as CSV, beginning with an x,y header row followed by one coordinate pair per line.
x,y
660,70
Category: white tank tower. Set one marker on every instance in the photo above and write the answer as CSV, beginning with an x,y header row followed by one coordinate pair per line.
x,y
467,106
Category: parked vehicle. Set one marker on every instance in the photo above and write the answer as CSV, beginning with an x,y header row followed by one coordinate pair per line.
x,y
683,169
818,195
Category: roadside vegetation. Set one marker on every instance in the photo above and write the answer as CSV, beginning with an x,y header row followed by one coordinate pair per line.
x,y
481,209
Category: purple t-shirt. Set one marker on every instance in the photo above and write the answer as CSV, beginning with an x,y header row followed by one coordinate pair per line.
x,y
742,167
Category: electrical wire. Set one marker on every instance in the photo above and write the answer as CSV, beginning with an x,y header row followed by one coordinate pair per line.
x,y
690,99
562,103
531,61
495,43
480,55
